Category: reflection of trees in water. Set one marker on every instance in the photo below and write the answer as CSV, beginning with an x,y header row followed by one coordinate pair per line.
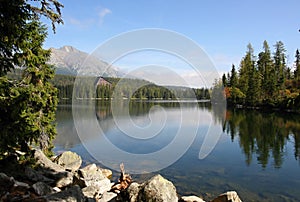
x,y
264,134
137,108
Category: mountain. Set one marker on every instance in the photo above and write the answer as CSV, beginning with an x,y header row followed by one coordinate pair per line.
x,y
68,60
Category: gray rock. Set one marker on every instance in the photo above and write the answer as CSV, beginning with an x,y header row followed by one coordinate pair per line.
x,y
63,179
73,194
156,189
230,196
22,184
47,163
36,176
92,175
91,192
191,199
133,191
107,173
6,182
108,196
69,160
42,189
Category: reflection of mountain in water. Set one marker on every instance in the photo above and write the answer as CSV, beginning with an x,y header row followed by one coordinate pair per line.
x,y
264,135
102,111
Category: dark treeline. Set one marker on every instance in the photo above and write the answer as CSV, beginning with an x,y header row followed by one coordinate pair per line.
x,y
264,80
126,88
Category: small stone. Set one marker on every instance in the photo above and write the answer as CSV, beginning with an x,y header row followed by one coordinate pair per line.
x,y
107,173
91,192
69,160
21,184
42,188
5,181
56,189
64,179
230,196
108,196
73,194
191,199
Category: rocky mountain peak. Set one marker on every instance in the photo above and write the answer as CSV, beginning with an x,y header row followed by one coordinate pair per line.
x,y
68,49
69,60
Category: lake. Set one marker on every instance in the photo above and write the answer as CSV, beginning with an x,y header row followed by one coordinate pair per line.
x,y
202,150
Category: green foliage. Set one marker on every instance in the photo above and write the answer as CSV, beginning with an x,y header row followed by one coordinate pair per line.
x,y
297,65
14,30
266,81
28,101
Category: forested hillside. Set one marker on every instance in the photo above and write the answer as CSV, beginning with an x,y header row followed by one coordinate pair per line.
x,y
130,89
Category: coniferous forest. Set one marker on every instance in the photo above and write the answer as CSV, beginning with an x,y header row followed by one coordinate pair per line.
x,y
131,89
264,80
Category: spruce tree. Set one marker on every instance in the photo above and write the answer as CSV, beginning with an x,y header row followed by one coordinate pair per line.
x,y
266,71
297,66
28,105
233,78
280,64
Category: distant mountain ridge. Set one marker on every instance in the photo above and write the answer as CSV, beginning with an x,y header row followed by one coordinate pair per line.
x,y
69,61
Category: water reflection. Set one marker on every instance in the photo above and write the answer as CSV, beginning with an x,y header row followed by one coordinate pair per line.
x,y
254,145
264,135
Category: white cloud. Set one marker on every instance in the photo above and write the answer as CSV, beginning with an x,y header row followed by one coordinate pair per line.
x,y
103,12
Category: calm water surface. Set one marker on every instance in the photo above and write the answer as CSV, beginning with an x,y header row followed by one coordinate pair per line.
x,y
257,153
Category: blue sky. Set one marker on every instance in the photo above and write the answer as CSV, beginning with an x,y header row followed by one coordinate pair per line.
x,y
222,28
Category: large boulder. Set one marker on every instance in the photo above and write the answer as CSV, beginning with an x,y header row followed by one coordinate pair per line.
x,y
230,196
69,160
156,189
58,173
92,175
133,191
73,194
46,163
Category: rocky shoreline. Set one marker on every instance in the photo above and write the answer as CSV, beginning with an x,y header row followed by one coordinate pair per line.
x,y
63,179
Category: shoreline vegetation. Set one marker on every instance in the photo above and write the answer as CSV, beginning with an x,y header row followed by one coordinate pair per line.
x,y
36,177
264,81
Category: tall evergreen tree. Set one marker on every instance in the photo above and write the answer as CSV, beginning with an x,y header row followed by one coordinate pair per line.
x,y
297,66
266,71
224,80
280,64
248,75
233,78
27,106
